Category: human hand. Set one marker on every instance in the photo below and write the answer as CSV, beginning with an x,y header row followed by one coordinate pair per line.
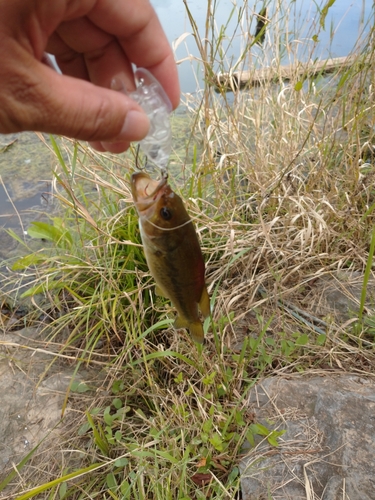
x,y
93,42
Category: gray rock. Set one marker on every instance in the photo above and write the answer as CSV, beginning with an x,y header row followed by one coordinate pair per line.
x,y
328,449
340,294
29,408
32,394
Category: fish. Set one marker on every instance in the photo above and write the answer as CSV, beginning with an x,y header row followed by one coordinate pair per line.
x,y
172,251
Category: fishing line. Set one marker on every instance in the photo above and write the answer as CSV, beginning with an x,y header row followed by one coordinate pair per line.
x,y
170,228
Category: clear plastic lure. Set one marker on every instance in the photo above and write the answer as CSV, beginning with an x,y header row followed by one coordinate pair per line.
x,y
150,95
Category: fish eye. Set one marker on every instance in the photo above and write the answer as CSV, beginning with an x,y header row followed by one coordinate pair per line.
x,y
166,213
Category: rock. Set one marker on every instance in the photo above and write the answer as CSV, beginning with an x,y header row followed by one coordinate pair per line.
x,y
328,449
32,397
340,294
28,410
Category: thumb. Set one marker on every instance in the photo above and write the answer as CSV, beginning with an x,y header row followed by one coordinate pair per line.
x,y
47,101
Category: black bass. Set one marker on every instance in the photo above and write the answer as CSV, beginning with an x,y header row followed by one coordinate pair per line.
x,y
172,251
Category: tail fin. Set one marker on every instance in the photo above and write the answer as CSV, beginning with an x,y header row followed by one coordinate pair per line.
x,y
196,332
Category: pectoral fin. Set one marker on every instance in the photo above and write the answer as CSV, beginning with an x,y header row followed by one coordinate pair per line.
x,y
204,303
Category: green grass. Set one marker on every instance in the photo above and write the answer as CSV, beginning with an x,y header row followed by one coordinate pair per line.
x,y
288,202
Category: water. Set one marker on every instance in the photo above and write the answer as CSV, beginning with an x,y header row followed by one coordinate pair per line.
x,y
25,186
295,22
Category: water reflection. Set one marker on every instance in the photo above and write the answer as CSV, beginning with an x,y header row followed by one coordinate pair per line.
x,y
298,29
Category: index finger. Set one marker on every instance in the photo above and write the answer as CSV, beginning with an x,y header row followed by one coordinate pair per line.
x,y
139,32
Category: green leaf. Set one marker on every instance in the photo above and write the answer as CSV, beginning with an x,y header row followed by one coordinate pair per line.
x,y
111,481
58,234
298,86
204,437
179,378
62,490
196,441
121,411
239,418
207,425
212,410
259,429
117,386
60,224
209,379
42,288
117,403
108,419
324,13
321,340
32,259
125,488
233,474
272,440
83,429
272,437
79,387
250,437
100,442
45,231
216,441
302,339
121,462
167,456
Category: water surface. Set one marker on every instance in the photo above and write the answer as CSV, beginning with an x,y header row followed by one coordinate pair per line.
x,y
295,24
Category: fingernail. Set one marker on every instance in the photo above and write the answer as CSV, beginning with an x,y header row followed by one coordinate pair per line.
x,y
135,128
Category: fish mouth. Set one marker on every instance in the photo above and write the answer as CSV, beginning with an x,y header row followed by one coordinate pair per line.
x,y
146,190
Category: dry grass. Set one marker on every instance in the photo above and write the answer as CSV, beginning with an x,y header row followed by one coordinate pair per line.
x,y
281,194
